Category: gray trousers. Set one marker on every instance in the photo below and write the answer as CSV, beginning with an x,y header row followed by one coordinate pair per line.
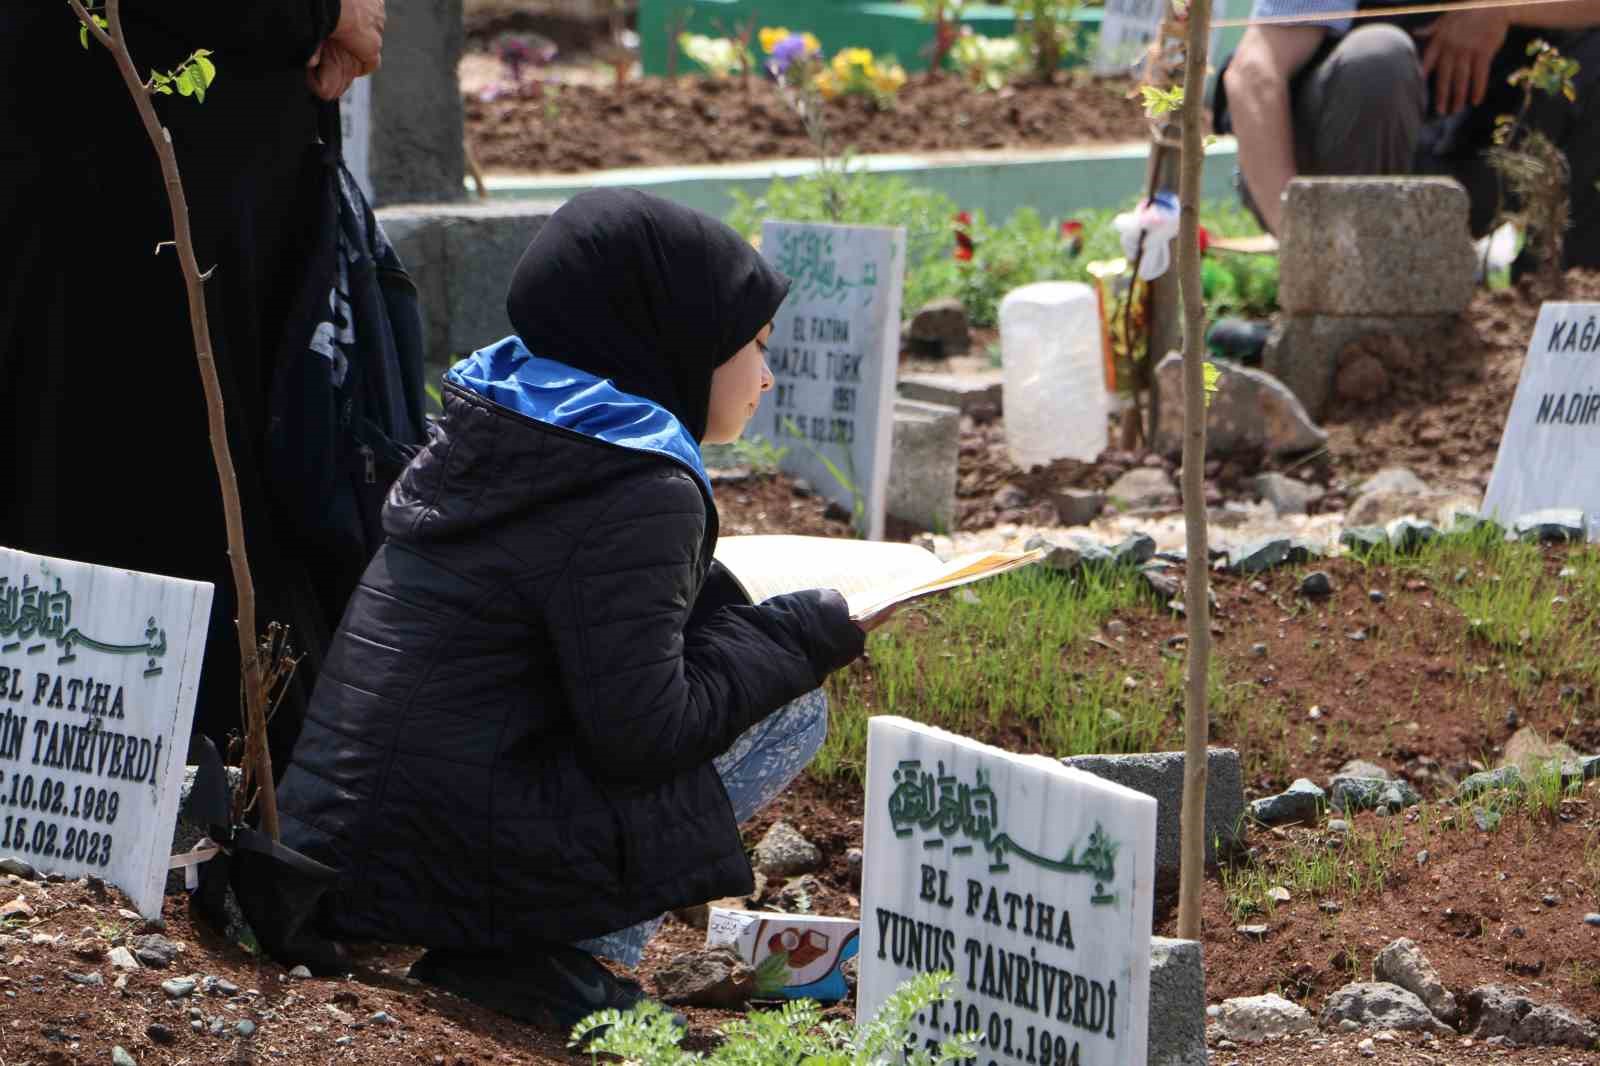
x,y
1363,109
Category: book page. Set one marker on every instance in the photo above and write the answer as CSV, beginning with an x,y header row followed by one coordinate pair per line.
x,y
872,575
771,565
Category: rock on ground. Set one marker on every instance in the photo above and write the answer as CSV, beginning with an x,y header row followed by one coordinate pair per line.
x,y
1380,507
1402,963
1395,479
715,977
783,852
1257,1019
1530,753
939,329
1302,801
1287,495
1350,793
1552,1026
1251,412
1143,487
1380,1005
1494,1010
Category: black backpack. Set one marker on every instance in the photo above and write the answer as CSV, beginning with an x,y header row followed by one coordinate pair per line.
x,y
346,408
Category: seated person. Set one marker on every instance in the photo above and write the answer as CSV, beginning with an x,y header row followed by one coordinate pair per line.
x,y
1416,95
545,712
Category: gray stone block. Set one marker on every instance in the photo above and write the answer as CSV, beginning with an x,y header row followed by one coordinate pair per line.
x,y
1303,349
461,257
1376,246
922,464
974,394
1160,774
1177,1004
418,132
1251,412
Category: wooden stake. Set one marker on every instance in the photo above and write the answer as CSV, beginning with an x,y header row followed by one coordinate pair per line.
x,y
200,328
1196,724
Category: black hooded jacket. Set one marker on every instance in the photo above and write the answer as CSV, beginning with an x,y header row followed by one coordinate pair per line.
x,y
511,740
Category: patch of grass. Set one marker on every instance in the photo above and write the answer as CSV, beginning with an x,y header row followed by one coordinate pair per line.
x,y
1315,866
1011,663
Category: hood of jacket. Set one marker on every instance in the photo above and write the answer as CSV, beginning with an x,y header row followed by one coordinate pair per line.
x,y
518,430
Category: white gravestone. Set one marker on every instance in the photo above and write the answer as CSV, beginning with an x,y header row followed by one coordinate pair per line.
x,y
355,133
1031,882
1553,429
98,672
835,354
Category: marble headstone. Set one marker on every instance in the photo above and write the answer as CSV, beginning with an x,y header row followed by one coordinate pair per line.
x,y
834,354
1554,421
1031,882
98,672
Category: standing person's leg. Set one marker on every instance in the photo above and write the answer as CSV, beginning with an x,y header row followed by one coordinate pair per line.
x,y
759,766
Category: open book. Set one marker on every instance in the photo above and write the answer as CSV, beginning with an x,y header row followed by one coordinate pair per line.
x,y
873,576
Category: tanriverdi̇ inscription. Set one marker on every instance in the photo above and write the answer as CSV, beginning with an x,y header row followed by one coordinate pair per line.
x,y
1553,421
834,355
98,673
1030,882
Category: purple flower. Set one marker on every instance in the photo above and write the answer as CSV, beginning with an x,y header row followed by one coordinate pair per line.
x,y
786,52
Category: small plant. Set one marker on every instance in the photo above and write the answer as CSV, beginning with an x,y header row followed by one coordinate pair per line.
x,y
721,57
794,1033
520,54
993,260
759,454
857,72
1532,168
946,18
988,62
1046,28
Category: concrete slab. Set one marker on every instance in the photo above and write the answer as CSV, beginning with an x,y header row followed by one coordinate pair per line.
x,y
461,257
1177,1004
922,464
972,394
1160,774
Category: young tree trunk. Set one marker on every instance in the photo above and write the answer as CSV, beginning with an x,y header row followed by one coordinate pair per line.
x,y
255,695
1196,726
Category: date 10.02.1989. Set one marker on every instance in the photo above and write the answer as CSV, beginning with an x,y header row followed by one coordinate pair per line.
x,y
53,799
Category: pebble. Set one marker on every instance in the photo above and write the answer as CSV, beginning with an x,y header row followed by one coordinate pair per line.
x,y
1338,825
159,1033
178,987
120,1057
1512,718
300,972
122,959
1316,583
1349,1025
91,979
17,908
383,1017
18,868
1258,650
1315,714
1422,857
1367,1047
1376,596
1329,906
219,986
345,1041
246,1028
1591,919
198,1026
1254,932
1115,629
1279,894
1550,899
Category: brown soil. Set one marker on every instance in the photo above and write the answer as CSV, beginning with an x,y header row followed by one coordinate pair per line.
x,y
1438,405
660,122
768,503
1416,695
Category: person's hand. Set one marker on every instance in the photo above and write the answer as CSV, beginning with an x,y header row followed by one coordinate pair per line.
x,y
360,32
331,70
1461,45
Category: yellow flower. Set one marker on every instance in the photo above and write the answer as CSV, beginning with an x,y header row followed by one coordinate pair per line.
x,y
826,84
813,46
887,80
770,36
851,57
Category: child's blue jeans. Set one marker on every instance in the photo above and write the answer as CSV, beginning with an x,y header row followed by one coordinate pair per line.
x,y
761,763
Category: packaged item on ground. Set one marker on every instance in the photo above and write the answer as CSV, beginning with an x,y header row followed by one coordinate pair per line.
x,y
795,956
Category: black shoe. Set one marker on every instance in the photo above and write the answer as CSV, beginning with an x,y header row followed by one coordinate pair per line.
x,y
555,986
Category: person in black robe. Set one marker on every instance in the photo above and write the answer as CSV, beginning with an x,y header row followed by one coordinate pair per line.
x,y
105,454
